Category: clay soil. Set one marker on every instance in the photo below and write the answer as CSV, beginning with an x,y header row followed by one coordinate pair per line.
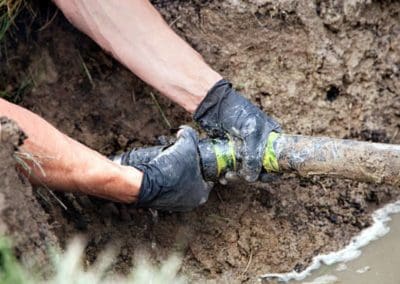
x,y
320,67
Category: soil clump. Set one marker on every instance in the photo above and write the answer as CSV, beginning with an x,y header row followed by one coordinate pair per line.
x,y
22,219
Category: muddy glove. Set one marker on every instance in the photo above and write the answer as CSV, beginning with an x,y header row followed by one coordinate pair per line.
x,y
173,181
225,110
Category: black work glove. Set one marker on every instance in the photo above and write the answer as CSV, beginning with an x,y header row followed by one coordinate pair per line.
x,y
225,110
173,181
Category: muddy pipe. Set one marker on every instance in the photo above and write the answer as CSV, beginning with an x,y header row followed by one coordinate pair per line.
x,y
304,155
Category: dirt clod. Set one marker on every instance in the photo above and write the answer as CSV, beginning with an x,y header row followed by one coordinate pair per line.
x,y
22,218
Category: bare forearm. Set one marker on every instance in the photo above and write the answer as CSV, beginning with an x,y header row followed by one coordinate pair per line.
x,y
135,33
57,161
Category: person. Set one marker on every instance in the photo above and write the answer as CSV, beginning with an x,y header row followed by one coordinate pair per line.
x,y
135,34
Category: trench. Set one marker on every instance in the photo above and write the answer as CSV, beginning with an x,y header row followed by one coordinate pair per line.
x,y
317,74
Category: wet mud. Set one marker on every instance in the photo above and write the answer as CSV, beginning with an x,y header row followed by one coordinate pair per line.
x,y
376,263
22,219
326,68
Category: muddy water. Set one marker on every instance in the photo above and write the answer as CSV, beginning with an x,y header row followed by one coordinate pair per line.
x,y
373,256
379,262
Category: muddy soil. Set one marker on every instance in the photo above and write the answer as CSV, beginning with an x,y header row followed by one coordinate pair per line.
x,y
22,219
320,67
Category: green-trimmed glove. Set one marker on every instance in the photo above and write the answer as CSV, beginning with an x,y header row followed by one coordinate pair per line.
x,y
173,181
225,110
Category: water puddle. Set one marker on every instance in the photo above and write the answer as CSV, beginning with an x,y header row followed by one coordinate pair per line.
x,y
379,262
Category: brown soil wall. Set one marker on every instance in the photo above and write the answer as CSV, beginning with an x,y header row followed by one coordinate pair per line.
x,y
22,219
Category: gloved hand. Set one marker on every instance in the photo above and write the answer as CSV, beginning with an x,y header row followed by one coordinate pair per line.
x,y
225,110
173,181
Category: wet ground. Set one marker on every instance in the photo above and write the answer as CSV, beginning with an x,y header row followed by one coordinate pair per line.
x,y
321,68
378,263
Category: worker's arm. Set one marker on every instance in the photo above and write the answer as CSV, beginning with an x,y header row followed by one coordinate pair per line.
x,y
171,181
135,33
59,162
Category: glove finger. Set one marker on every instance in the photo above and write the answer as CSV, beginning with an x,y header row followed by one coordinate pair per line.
x,y
186,131
187,140
165,140
273,125
207,187
253,148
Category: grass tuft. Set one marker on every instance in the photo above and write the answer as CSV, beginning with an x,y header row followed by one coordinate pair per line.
x,y
69,268
8,11
10,270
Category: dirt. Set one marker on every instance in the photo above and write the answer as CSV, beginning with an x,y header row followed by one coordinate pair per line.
x,y
320,67
22,219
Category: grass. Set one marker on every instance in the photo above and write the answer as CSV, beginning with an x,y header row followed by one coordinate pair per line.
x,y
5,23
8,11
86,69
68,268
10,270
164,117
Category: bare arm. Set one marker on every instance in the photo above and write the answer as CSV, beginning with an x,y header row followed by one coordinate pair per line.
x,y
69,165
135,33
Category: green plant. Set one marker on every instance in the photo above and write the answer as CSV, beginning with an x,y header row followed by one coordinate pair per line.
x,y
68,268
8,11
11,271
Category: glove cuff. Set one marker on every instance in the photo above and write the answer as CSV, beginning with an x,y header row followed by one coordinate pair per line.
x,y
208,112
145,191
213,97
